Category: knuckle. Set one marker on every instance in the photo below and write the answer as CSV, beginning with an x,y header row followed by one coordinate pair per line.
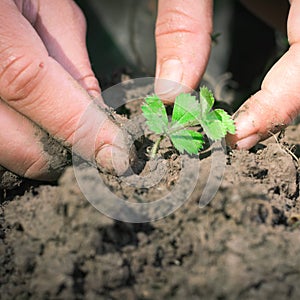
x,y
89,83
40,168
19,75
176,21
35,168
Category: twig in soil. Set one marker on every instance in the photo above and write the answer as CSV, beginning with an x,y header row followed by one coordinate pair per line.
x,y
284,146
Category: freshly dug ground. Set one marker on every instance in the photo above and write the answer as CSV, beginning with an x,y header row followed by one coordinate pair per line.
x,y
244,245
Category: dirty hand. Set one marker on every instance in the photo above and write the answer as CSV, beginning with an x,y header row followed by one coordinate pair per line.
x,y
278,101
183,44
46,82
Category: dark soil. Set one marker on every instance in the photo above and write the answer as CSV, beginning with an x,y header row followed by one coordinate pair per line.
x,y
244,245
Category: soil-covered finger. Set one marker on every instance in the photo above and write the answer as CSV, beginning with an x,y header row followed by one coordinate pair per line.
x,y
37,86
27,150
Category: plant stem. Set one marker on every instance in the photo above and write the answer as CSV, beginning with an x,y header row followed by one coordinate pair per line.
x,y
155,147
174,129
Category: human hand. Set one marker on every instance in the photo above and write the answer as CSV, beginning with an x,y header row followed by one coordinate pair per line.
x,y
183,32
46,82
183,42
278,102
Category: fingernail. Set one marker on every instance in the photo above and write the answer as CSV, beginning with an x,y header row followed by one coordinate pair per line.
x,y
248,142
167,85
113,160
243,123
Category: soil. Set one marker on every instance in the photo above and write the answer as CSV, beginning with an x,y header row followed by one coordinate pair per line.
x,y
245,244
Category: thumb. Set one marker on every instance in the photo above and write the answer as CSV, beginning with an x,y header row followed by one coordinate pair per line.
x,y
278,101
273,107
183,40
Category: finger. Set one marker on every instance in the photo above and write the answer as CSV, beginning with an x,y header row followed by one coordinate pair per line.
x,y
37,86
62,28
183,41
278,101
25,149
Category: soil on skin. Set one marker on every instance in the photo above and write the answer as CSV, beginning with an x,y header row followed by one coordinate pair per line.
x,y
244,245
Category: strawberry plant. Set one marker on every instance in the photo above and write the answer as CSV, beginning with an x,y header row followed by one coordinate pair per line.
x,y
188,112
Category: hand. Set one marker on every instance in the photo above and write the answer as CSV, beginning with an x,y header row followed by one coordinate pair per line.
x,y
183,42
46,82
183,36
278,101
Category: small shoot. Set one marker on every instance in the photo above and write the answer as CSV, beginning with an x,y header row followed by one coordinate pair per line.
x,y
187,112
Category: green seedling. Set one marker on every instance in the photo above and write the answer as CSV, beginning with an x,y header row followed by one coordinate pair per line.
x,y
188,112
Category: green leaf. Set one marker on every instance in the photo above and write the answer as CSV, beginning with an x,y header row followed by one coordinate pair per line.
x,y
155,114
213,127
226,120
187,140
207,100
186,113
215,123
186,110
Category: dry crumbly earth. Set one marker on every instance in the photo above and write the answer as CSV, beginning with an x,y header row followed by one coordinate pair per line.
x,y
244,245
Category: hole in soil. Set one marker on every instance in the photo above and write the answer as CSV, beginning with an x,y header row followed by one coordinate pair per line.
x,y
123,110
78,280
276,190
293,220
279,217
142,146
255,149
114,238
60,289
14,185
258,173
151,179
19,227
